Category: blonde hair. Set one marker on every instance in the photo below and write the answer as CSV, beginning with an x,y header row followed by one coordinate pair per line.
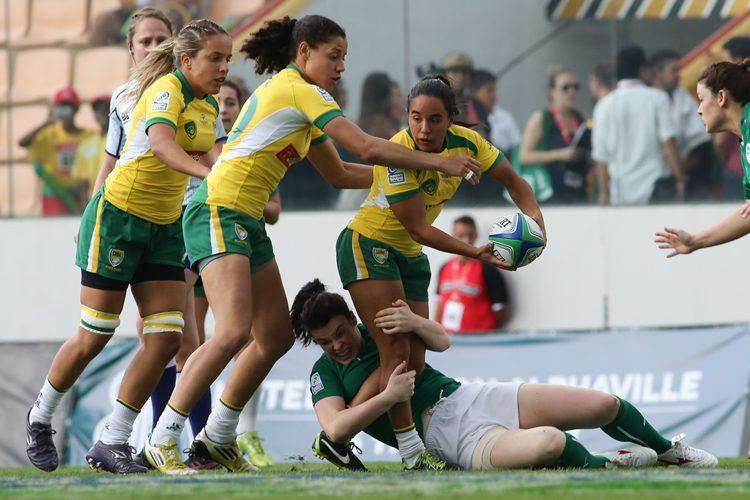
x,y
166,57
142,15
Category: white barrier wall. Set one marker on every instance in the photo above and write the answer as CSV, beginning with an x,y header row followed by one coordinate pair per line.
x,y
601,269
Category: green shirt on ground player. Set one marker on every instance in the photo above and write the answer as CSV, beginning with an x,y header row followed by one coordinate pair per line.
x,y
745,150
329,378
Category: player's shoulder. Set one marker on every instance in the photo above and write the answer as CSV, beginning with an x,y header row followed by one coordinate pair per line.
x,y
404,138
459,136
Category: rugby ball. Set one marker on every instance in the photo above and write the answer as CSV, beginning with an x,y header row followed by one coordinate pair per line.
x,y
517,240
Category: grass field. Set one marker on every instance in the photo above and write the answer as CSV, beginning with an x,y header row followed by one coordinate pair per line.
x,y
731,480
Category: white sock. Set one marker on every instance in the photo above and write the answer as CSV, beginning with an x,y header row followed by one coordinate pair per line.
x,y
249,415
409,446
221,427
170,425
46,403
119,424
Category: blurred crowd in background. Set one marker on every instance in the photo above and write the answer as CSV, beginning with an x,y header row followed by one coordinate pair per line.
x,y
644,143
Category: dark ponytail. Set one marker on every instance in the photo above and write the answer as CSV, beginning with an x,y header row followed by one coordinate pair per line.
x,y
732,77
438,86
274,45
313,308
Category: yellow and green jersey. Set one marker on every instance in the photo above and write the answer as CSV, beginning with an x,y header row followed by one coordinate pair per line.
x,y
54,148
274,130
376,220
141,184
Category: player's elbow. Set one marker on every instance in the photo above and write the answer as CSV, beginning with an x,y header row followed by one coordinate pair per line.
x,y
367,150
419,234
335,433
443,344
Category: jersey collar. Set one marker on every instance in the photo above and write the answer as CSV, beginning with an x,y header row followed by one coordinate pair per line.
x,y
416,147
187,90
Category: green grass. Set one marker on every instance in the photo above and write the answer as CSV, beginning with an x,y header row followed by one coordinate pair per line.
x,y
731,480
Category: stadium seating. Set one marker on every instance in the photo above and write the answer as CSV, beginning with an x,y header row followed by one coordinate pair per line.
x,y
19,21
100,71
98,7
55,21
47,53
25,200
23,119
4,73
38,73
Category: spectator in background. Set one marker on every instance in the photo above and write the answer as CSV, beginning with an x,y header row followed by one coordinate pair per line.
x,y
551,140
110,28
633,140
503,130
727,145
601,80
737,49
379,113
381,109
693,142
52,147
473,295
459,68
91,150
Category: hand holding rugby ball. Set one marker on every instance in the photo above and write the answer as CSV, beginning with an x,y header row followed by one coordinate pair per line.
x,y
516,239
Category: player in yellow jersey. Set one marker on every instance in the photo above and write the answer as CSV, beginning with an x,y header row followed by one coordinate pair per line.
x,y
287,118
379,254
131,235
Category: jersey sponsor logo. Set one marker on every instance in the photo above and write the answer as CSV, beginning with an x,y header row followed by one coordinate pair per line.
x,y
161,101
116,256
396,176
747,152
240,231
380,255
429,186
316,384
191,129
288,155
326,96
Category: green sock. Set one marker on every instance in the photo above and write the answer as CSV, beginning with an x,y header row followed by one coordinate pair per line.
x,y
575,455
631,426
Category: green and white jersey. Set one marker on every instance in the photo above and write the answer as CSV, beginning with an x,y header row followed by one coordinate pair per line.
x,y
329,378
745,150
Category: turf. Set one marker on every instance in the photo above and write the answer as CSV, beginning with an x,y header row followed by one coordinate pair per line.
x,y
385,480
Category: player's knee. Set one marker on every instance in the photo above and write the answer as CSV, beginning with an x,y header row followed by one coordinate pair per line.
x,y
417,365
276,348
607,407
231,341
396,351
548,444
187,347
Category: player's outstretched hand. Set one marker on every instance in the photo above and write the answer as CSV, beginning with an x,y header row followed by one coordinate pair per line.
x,y
485,254
400,386
462,166
396,319
677,240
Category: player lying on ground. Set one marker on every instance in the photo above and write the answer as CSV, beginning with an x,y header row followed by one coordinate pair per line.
x,y
472,425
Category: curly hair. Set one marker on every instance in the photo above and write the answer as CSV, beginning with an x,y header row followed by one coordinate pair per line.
x,y
274,45
313,308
